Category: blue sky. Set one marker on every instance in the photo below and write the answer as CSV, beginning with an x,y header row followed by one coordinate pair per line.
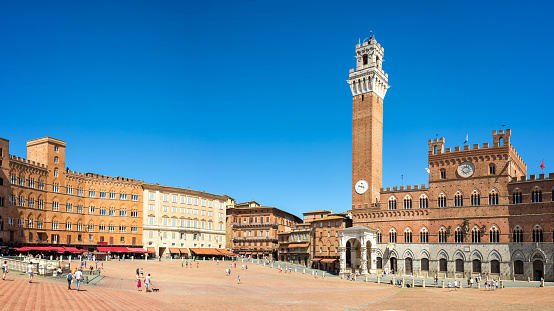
x,y
249,98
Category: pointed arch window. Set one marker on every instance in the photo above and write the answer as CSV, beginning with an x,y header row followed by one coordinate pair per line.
x,y
459,235
517,235
379,237
494,235
458,199
442,200
493,197
424,236
423,202
537,195
408,236
516,197
392,236
392,203
475,235
407,202
537,234
442,235
475,198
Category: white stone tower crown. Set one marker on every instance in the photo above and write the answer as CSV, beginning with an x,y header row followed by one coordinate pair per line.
x,y
369,75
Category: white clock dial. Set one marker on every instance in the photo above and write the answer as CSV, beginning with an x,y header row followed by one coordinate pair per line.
x,y
466,169
361,186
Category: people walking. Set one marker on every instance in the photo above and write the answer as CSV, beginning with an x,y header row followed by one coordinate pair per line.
x,y
79,278
147,283
69,280
139,285
4,270
30,272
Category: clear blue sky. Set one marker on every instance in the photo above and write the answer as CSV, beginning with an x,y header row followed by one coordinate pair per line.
x,y
249,99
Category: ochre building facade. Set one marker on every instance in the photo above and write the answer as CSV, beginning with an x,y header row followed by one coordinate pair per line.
x,y
43,203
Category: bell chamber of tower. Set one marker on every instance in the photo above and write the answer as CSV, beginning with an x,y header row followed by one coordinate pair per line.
x,y
369,84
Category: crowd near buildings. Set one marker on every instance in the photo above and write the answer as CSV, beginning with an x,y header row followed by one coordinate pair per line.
x,y
479,212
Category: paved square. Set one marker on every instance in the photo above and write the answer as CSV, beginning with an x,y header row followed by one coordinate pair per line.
x,y
208,288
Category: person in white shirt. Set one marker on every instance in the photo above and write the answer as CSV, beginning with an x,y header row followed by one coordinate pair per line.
x,y
30,272
79,277
4,270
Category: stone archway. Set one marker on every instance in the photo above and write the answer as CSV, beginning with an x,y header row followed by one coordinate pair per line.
x,y
356,252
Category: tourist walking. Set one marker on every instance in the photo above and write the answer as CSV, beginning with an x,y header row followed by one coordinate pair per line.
x,y
141,273
456,285
4,270
30,272
139,286
147,282
79,278
238,278
69,280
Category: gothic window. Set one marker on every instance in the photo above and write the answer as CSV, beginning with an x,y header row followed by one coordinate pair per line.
x,y
459,265
459,199
379,237
537,234
392,203
443,173
424,264
517,235
475,198
459,235
493,197
493,235
408,236
537,195
475,235
442,235
442,200
518,267
424,236
423,201
492,169
392,236
516,197
407,202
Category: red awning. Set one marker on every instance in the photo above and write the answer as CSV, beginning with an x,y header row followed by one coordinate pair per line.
x,y
137,250
74,250
184,250
328,260
206,251
112,249
226,252
22,249
174,250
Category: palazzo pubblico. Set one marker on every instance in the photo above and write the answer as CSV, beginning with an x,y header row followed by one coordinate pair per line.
x,y
479,212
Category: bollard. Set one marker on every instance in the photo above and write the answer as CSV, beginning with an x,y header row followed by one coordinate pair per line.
x,y
423,283
501,284
478,285
146,258
460,283
413,283
132,258
427,275
442,284
378,280
393,280
528,279
294,269
171,258
304,272
402,285
366,279
542,282
514,278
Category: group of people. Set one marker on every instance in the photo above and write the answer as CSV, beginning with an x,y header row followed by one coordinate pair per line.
x,y
76,274
147,280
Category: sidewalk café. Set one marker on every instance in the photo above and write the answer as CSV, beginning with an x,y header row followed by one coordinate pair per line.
x,y
54,251
211,253
118,252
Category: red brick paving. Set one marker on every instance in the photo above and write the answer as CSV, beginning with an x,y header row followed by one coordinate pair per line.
x,y
208,288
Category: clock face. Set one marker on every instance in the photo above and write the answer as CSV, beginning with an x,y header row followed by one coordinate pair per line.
x,y
361,186
466,169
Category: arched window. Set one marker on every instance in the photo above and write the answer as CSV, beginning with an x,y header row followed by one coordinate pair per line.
x,y
458,199
476,266
537,195
379,237
493,197
443,171
424,235
68,224
494,235
365,59
495,266
392,236
392,203
442,200
459,265
90,227
516,196
407,202
442,235
407,235
424,264
459,235
492,169
475,198
537,234
443,265
517,234
423,201
518,267
475,235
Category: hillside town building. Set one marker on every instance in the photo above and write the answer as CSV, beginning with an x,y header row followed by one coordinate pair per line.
x,y
479,212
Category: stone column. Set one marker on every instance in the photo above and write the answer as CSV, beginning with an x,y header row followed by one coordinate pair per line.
x,y
373,261
342,259
363,252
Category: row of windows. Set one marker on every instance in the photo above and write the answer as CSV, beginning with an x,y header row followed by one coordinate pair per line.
x,y
20,201
492,171
39,224
184,223
459,236
187,200
69,190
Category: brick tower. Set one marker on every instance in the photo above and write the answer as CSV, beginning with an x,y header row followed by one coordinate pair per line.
x,y
369,84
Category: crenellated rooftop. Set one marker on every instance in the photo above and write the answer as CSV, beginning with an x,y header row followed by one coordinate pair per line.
x,y
405,188
28,162
71,173
533,177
